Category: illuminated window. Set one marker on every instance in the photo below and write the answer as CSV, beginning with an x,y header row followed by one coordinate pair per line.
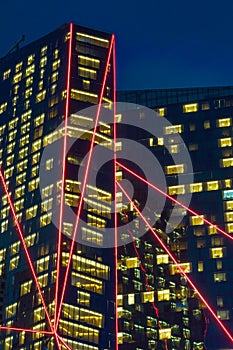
x,y
22,165
131,299
33,185
162,259
200,266
30,70
228,194
24,141
87,282
189,108
14,263
87,73
3,107
186,267
161,111
89,62
31,212
175,169
206,124
93,40
216,252
17,77
56,64
39,120
29,81
196,187
212,185
160,141
6,74
43,62
221,123
196,220
172,190
223,314
25,288
45,219
40,96
226,142
165,333
226,163
40,85
131,263
229,216
86,84
11,310
229,228
43,50
147,297
173,129
174,149
36,145
83,298
163,294
220,277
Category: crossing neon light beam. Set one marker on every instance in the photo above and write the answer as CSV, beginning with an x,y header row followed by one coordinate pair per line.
x,y
162,244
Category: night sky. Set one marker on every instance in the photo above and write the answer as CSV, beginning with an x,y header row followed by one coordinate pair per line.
x,y
160,44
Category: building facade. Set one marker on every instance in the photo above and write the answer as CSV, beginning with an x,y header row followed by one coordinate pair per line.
x,y
203,118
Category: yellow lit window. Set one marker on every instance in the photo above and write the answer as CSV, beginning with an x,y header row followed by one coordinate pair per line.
x,y
30,70
147,297
17,77
88,62
20,191
83,298
43,50
221,123
212,230
216,252
229,216
15,248
226,142
189,108
43,280
26,116
3,107
229,228
35,158
172,190
131,263
87,73
30,240
196,187
212,185
186,267
23,153
165,333
11,310
219,264
173,129
200,266
43,62
163,294
174,149
131,299
175,169
229,205
56,64
22,165
28,93
14,263
196,220
39,120
206,124
162,259
87,282
220,277
54,77
45,219
161,111
29,81
92,40
31,212
40,85
33,185
24,140
4,226
226,163
42,264
6,74
35,171
25,288
36,145
40,96
86,84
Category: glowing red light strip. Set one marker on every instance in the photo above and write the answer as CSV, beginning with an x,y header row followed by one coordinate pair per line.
x,y
154,233
84,181
64,343
148,288
26,330
174,200
63,172
25,248
57,340
115,188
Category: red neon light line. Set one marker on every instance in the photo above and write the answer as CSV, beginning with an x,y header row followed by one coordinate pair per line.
x,y
154,233
25,248
57,340
115,188
174,200
63,172
26,330
64,343
84,182
148,288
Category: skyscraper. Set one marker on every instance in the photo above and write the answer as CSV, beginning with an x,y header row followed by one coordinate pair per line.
x,y
203,118
41,85
58,291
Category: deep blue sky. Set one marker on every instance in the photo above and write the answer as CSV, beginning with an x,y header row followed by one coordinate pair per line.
x,y
160,44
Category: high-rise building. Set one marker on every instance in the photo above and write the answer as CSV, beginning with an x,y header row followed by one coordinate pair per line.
x,y
41,85
57,292
203,118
